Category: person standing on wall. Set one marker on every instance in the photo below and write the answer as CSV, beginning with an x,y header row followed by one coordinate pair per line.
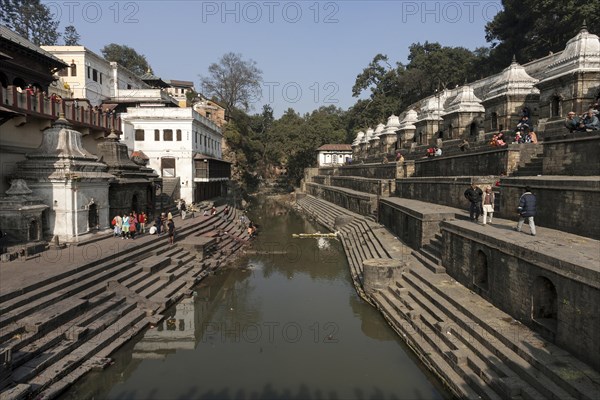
x,y
473,194
488,204
527,208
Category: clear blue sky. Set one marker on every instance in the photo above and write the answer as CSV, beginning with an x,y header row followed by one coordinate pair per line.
x,y
310,52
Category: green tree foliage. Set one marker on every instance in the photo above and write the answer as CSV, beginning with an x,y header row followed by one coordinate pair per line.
x,y
30,19
127,57
71,36
529,29
234,82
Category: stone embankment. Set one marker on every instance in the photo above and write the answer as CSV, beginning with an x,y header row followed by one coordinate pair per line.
x,y
477,350
58,324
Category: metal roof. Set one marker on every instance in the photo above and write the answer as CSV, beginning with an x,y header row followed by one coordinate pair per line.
x,y
15,38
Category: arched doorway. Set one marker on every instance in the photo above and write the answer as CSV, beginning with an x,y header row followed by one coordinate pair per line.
x,y
134,204
555,106
34,231
544,305
93,216
19,82
473,129
3,80
481,271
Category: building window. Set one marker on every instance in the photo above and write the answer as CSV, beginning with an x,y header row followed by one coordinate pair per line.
x,y
89,72
494,121
73,69
544,303
101,78
156,135
481,271
168,135
139,135
178,132
555,107
128,86
63,72
95,75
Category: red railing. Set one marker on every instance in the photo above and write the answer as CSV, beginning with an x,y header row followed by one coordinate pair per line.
x,y
46,107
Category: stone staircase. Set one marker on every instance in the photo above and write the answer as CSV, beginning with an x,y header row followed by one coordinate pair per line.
x,y
430,255
534,167
54,331
480,351
477,350
360,237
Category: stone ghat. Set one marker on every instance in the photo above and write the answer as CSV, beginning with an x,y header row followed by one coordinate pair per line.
x,y
61,326
352,200
477,350
380,187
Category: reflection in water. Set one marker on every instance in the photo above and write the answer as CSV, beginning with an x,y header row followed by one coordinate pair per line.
x,y
281,325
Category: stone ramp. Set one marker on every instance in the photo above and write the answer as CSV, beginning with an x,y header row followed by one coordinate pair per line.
x,y
66,330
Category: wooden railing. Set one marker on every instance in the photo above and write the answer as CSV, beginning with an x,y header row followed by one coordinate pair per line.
x,y
41,106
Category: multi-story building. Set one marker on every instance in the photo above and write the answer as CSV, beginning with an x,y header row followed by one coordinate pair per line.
x,y
180,145
179,90
90,77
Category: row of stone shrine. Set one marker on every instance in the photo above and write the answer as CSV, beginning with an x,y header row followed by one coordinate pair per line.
x,y
547,88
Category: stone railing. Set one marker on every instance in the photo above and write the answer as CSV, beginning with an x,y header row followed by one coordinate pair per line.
x,y
39,106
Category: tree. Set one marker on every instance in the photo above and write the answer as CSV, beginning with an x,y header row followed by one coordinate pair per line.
x,y
127,57
71,36
530,29
233,82
30,19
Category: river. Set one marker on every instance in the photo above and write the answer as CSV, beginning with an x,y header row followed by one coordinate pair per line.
x,y
283,322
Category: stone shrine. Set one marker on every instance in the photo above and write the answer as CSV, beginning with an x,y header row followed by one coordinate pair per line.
x,y
69,179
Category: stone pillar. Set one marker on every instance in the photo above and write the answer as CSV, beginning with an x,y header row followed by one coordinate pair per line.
x,y
341,221
379,273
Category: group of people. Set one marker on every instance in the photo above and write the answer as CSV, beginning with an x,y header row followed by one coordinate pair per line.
x,y
129,225
483,203
585,123
434,151
164,223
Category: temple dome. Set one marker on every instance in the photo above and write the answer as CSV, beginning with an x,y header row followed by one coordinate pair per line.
x,y
513,80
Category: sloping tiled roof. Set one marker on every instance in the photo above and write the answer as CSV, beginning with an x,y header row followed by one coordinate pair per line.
x,y
336,147
174,82
11,36
140,154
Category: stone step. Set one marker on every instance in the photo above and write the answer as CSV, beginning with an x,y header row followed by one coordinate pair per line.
x,y
429,256
107,334
495,376
433,250
434,267
99,361
43,360
368,232
29,345
396,314
548,387
357,246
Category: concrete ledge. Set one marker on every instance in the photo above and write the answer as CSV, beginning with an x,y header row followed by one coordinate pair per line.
x,y
414,222
198,245
358,202
444,190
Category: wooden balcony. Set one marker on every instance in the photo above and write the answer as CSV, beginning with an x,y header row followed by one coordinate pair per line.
x,y
36,105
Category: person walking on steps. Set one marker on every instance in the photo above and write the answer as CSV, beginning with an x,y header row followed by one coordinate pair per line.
x,y
527,208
